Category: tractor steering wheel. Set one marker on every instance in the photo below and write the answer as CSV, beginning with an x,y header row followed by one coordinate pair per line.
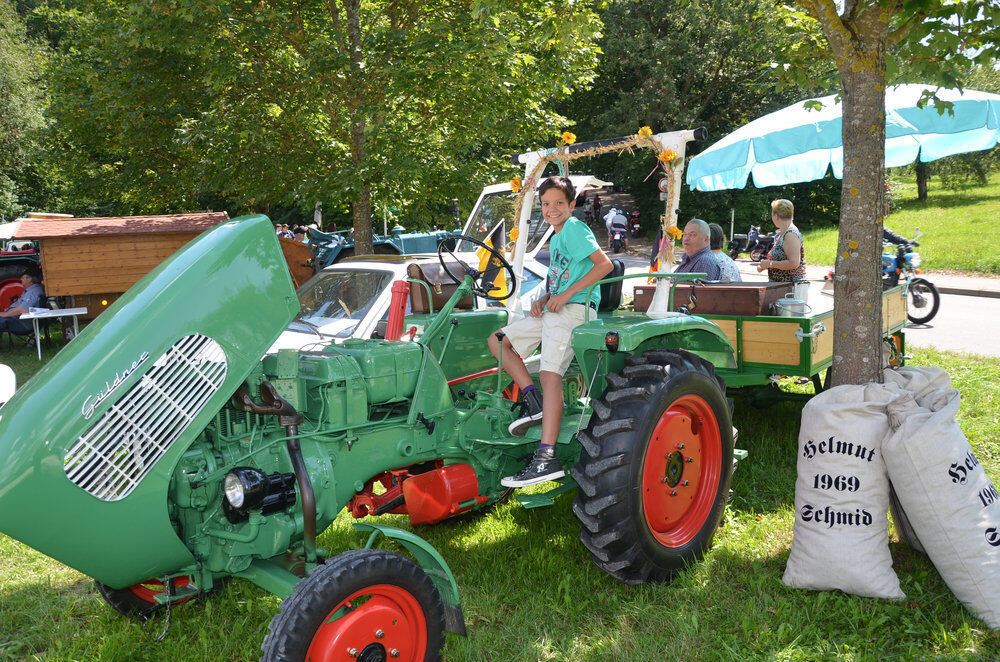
x,y
496,260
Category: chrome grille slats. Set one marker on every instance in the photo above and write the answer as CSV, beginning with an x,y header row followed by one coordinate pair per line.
x,y
121,447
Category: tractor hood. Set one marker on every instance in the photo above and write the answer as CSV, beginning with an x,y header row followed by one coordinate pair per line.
x,y
88,446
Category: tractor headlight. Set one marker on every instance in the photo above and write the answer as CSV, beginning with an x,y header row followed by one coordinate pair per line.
x,y
235,493
245,488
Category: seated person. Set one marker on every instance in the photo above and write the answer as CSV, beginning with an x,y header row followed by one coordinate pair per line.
x,y
897,239
576,263
730,272
607,223
698,256
32,297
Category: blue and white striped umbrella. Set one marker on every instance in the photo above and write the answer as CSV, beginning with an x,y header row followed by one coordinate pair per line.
x,y
798,145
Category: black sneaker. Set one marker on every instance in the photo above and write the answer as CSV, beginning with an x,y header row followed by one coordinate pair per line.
x,y
543,466
531,413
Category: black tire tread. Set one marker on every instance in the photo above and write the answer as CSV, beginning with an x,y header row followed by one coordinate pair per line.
x,y
126,603
604,503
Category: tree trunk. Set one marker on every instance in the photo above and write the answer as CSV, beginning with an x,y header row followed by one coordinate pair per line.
x,y
922,176
362,206
363,220
860,52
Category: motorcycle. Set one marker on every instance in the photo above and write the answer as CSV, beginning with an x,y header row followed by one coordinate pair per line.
x,y
617,240
634,227
752,242
901,261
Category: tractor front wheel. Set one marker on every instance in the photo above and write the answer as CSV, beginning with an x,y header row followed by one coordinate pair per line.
x,y
655,467
369,605
139,600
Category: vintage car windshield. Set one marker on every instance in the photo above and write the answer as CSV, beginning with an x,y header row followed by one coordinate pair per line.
x,y
335,301
495,215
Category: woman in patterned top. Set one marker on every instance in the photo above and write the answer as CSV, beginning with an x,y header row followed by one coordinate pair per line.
x,y
786,261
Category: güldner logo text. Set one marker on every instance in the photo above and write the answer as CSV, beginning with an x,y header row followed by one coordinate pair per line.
x,y
92,401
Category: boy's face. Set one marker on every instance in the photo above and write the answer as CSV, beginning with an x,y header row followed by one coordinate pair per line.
x,y
556,208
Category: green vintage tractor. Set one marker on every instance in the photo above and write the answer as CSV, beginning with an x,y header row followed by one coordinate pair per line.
x,y
160,455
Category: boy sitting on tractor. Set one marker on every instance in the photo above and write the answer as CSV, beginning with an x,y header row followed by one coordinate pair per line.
x,y
577,262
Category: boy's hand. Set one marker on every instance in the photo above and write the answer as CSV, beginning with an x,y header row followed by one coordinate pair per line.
x,y
556,302
538,306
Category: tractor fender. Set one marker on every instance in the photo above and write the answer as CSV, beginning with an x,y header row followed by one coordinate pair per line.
x,y
432,563
636,334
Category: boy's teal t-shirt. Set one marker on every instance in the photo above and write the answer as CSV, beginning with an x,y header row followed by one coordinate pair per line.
x,y
569,254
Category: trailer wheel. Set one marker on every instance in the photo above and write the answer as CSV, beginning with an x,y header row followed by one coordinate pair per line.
x,y
655,467
139,600
367,604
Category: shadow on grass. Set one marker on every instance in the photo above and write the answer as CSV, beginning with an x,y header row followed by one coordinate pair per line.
x,y
947,199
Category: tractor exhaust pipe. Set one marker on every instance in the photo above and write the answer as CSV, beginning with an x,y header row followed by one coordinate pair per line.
x,y
305,489
274,405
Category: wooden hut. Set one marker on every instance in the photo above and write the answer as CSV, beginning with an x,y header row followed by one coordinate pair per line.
x,y
92,261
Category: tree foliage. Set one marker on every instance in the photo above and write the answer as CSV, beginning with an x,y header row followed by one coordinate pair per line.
x,y
360,105
679,64
20,104
865,40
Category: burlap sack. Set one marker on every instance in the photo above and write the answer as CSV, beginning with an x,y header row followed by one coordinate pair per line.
x,y
841,538
950,502
919,381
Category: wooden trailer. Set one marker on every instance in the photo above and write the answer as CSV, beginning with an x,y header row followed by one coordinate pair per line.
x,y
92,261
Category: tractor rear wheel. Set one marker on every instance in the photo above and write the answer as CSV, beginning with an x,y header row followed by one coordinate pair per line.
x,y
655,466
367,604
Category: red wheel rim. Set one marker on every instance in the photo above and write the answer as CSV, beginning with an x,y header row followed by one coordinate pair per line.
x,y
376,621
10,290
149,589
681,471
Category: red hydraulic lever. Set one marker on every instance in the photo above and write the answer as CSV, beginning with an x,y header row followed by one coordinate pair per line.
x,y
397,310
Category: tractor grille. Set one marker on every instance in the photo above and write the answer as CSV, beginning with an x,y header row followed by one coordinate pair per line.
x,y
123,445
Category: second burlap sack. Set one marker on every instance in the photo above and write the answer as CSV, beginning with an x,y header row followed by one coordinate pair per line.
x,y
948,498
841,538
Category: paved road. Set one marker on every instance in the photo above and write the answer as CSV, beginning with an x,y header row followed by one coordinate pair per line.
x,y
963,323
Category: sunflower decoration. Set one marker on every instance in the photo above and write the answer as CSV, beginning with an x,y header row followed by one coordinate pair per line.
x,y
568,138
644,132
667,156
675,232
515,185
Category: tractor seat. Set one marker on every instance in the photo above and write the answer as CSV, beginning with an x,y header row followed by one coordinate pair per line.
x,y
440,284
611,293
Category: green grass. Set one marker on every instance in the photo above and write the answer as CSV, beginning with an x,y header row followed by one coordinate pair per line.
x,y
530,591
959,227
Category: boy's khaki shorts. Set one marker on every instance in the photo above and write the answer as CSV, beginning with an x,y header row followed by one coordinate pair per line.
x,y
556,328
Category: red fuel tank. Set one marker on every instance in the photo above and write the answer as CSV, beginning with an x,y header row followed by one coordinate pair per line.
x,y
435,495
